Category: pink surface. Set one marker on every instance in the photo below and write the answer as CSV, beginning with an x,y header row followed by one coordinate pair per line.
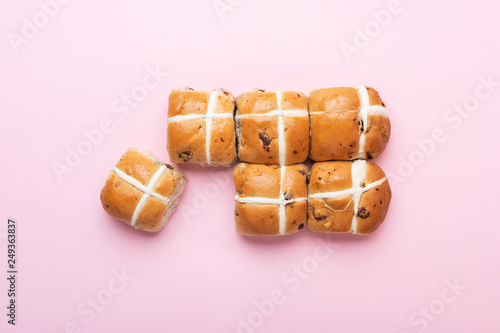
x,y
69,76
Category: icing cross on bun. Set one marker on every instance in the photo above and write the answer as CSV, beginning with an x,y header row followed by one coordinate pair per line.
x,y
201,127
142,190
347,197
270,200
347,124
272,127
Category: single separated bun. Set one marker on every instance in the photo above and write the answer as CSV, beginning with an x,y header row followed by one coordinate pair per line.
x,y
142,191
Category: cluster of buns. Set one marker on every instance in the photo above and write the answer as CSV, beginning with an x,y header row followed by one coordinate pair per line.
x,y
273,133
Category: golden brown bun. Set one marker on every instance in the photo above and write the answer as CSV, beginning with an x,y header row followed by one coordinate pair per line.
x,y
186,140
258,136
120,198
264,181
336,214
336,126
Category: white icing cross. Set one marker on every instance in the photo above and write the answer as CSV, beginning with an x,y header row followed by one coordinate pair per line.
x,y
365,109
208,116
358,175
148,190
280,113
281,202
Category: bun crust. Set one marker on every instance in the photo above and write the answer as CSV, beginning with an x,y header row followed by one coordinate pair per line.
x,y
191,115
338,203
259,134
269,199
347,124
129,195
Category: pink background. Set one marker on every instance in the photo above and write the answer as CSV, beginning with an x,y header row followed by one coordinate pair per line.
x,y
197,274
